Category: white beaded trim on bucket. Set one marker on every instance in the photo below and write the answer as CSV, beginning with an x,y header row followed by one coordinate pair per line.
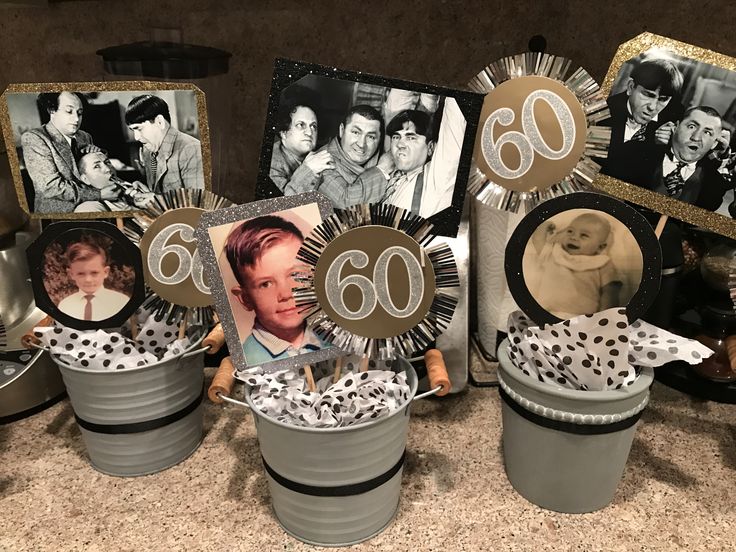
x,y
571,417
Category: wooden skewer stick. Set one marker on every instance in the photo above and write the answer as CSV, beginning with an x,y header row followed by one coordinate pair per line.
x,y
183,325
133,327
310,379
363,364
133,320
338,369
660,225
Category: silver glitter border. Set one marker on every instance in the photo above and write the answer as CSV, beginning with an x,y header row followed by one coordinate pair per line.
x,y
217,285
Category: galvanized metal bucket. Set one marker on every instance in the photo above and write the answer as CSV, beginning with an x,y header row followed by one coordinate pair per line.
x,y
139,420
564,449
335,486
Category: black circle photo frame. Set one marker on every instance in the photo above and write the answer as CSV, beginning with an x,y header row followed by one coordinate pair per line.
x,y
582,253
86,275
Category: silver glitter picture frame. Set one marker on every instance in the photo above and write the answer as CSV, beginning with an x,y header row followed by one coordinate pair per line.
x,y
210,256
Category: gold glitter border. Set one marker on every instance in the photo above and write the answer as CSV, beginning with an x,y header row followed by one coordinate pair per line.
x,y
111,86
660,203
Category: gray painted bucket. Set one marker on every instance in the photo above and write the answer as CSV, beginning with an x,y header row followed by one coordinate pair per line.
x,y
139,420
336,486
564,449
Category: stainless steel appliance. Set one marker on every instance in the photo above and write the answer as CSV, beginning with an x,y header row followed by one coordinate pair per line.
x,y
29,380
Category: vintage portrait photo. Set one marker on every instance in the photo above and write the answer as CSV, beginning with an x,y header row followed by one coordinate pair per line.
x,y
253,276
582,261
672,121
357,139
580,254
93,152
90,276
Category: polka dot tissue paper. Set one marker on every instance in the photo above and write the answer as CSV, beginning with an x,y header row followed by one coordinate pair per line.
x,y
103,350
595,352
356,397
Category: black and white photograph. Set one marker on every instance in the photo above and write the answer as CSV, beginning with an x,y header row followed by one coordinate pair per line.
x,y
672,121
581,254
357,138
100,150
86,275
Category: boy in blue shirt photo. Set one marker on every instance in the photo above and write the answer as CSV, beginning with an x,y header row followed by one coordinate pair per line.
x,y
262,255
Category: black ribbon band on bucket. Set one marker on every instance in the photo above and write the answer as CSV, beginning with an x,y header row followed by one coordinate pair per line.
x,y
140,427
342,490
569,427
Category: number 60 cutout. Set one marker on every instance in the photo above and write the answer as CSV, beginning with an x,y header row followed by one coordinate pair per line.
x,y
171,261
375,288
538,131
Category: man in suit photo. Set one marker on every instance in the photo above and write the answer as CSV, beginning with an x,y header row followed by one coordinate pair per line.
x,y
50,154
171,159
682,168
651,99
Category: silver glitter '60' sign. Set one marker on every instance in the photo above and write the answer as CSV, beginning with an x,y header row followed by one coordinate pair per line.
x,y
532,134
531,140
190,265
376,290
374,282
171,260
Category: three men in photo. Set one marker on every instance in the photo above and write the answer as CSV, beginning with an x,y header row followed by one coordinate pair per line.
x,y
169,158
363,164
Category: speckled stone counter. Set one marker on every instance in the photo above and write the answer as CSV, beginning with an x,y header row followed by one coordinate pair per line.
x,y
678,491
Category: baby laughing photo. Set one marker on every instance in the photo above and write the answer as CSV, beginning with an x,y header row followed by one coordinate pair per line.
x,y
257,261
582,261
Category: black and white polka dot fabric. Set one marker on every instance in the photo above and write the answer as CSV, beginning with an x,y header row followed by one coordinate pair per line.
x,y
652,346
594,352
102,350
357,397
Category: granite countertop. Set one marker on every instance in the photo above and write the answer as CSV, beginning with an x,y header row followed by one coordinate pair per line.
x,y
678,491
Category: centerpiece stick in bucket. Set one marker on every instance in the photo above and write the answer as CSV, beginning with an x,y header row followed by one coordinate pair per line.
x,y
183,325
310,378
338,369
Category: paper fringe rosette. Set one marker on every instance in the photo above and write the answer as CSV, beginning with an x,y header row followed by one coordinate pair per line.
x,y
417,338
597,139
136,226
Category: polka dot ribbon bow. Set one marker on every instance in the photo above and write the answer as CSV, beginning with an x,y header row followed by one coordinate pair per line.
x,y
595,352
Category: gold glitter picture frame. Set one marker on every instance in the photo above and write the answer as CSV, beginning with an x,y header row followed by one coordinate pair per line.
x,y
644,171
47,178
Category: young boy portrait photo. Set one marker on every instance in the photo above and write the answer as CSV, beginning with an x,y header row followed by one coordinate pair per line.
x,y
87,270
258,264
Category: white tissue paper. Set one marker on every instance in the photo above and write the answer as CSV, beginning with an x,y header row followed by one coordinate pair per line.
x,y
595,352
355,398
103,350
